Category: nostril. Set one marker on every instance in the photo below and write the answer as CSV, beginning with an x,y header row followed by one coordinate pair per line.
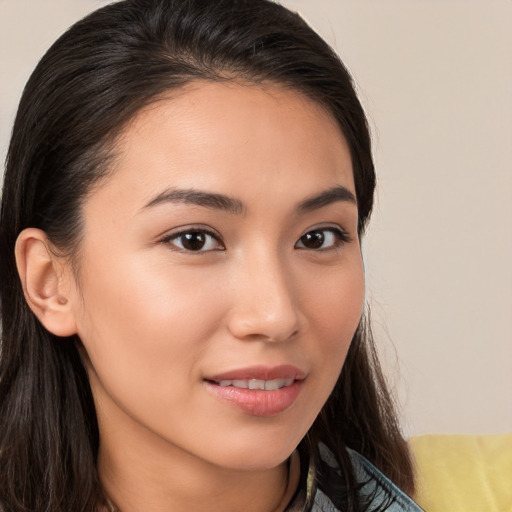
x,y
275,337
264,310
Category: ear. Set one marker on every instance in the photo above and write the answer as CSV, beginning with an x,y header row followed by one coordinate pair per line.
x,y
45,279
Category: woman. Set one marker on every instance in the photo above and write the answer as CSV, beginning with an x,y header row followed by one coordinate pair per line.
x,y
182,283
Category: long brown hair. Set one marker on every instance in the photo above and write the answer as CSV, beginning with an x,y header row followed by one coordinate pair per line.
x,y
90,83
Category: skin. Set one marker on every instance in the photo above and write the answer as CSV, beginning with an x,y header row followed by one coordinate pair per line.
x,y
155,318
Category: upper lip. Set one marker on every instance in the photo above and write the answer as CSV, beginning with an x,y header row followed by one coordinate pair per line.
x,y
285,371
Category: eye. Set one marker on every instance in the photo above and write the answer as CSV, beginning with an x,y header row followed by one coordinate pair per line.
x,y
195,240
322,239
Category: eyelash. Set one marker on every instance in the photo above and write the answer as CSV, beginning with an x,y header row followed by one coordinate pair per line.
x,y
189,231
341,237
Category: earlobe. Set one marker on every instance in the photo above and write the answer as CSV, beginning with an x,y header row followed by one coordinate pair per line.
x,y
44,284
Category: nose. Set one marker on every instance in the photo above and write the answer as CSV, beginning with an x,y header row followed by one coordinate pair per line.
x,y
265,303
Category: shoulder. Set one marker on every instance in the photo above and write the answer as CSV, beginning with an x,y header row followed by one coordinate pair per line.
x,y
375,489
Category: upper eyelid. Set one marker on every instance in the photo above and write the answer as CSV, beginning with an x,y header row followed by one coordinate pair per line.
x,y
327,227
176,232
167,239
343,236
168,235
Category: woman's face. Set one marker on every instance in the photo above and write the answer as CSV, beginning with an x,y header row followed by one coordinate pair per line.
x,y
221,254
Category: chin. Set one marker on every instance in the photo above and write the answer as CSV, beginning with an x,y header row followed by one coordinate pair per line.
x,y
257,461
256,454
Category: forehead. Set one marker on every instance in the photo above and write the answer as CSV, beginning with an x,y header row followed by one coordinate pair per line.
x,y
245,136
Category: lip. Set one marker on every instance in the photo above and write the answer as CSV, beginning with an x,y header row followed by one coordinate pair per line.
x,y
284,371
258,402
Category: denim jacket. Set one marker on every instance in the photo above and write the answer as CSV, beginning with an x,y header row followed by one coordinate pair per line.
x,y
379,492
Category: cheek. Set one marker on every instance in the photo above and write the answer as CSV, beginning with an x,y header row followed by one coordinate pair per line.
x,y
335,302
335,306
137,295
143,330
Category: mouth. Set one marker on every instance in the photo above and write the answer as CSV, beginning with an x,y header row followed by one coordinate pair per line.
x,y
259,376
267,385
258,391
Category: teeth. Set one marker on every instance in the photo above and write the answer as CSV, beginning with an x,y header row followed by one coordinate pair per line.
x,y
256,384
270,385
267,385
240,384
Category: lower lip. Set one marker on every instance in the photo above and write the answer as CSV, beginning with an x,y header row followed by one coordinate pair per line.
x,y
258,402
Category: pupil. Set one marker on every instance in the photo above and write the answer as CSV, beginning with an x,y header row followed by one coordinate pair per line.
x,y
193,241
313,239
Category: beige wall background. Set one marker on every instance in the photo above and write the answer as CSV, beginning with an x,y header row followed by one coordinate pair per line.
x,y
436,79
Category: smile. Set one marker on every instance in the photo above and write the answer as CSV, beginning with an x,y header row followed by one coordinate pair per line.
x,y
267,385
258,390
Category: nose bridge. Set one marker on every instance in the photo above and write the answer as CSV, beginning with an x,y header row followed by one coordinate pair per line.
x,y
266,304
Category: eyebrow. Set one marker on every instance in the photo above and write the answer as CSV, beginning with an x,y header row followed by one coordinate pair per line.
x,y
327,197
235,206
196,197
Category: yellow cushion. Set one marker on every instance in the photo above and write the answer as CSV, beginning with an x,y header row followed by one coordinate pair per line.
x,y
464,473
